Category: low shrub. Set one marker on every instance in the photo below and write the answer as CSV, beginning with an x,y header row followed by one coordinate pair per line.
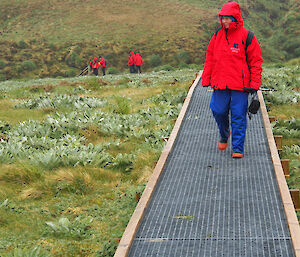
x,y
122,105
36,251
108,249
71,73
113,71
166,67
22,44
183,65
28,65
183,56
2,64
79,228
53,47
155,60
196,66
73,60
93,83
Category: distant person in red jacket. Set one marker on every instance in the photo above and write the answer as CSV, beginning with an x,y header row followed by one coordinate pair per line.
x,y
103,64
131,62
94,65
138,62
233,71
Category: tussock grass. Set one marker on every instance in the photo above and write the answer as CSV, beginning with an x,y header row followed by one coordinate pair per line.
x,y
71,181
92,135
286,81
285,111
13,116
122,105
31,193
95,202
20,173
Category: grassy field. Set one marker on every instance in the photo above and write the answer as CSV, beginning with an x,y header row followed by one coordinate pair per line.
x,y
75,156
76,153
283,103
58,38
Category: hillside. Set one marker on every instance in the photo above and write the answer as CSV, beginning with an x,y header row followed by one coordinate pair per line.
x,y
58,38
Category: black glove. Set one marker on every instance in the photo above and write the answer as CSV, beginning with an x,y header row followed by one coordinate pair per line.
x,y
254,104
250,90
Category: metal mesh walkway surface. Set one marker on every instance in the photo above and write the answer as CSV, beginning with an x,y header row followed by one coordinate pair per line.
x,y
208,204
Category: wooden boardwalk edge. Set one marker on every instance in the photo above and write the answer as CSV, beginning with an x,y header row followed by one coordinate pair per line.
x,y
130,231
293,224
283,187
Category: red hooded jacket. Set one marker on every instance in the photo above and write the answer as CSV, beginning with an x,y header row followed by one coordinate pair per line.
x,y
94,63
131,59
138,59
102,62
226,65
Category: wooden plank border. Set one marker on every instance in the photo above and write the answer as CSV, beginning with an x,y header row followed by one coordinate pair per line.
x,y
130,231
283,188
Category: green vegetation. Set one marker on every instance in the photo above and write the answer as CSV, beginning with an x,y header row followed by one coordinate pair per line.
x,y
155,60
62,37
283,103
75,152
183,57
27,66
71,170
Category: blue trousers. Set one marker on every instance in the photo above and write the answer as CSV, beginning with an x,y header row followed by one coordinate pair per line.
x,y
235,102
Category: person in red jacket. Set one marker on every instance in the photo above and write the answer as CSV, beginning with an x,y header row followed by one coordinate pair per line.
x,y
138,62
103,64
233,71
131,62
94,65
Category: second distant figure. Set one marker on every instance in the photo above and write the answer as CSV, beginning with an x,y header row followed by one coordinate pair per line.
x,y
103,64
131,62
94,65
138,62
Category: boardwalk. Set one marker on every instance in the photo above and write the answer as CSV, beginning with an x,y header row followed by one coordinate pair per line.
x,y
208,204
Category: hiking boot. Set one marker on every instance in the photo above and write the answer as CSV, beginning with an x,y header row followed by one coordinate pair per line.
x,y
237,155
222,145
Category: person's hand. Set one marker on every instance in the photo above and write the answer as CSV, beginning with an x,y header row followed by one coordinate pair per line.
x,y
249,90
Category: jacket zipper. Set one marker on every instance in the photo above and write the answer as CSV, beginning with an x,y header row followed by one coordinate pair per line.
x,y
226,36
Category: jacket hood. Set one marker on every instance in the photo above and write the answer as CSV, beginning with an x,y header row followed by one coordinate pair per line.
x,y
232,9
137,54
132,53
95,59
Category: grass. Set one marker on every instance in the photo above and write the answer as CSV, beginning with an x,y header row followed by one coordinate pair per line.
x,y
14,116
48,33
288,111
285,112
44,24
82,210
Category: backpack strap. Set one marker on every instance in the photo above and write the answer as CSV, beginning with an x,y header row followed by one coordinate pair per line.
x,y
249,40
216,33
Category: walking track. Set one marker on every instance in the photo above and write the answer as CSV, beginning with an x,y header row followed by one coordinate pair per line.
x,y
206,203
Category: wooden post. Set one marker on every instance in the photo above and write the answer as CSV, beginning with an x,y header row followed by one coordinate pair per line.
x,y
165,139
285,163
137,196
295,197
278,142
272,118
